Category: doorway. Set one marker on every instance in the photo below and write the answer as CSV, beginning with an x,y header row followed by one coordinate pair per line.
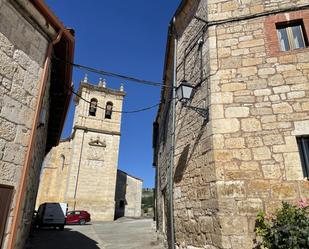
x,y
6,193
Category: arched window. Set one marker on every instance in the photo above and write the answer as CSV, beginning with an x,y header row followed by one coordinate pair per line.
x,y
93,107
108,110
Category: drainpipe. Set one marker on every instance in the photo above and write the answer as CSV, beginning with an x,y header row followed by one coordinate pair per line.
x,y
27,164
172,152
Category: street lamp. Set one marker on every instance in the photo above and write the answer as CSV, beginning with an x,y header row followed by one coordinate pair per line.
x,y
184,91
184,94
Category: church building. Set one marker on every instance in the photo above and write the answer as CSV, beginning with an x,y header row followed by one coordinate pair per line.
x,y
82,169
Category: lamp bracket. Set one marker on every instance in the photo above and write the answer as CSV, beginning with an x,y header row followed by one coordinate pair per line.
x,y
204,112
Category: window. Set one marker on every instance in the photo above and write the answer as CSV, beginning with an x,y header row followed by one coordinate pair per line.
x,y
303,146
291,36
93,107
108,110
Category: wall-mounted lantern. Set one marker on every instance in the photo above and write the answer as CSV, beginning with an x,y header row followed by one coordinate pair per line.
x,y
184,94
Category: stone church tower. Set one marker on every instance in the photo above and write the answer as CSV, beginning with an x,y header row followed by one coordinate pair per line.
x,y
82,169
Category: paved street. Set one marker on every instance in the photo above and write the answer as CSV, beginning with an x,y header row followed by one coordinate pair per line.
x,y
124,233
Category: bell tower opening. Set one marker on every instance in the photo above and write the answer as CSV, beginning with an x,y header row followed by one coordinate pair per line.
x,y
109,110
99,107
93,107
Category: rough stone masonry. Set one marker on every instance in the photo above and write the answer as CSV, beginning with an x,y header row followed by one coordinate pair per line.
x,y
245,158
31,108
21,62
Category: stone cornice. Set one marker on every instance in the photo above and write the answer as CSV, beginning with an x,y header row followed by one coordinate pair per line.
x,y
78,127
100,89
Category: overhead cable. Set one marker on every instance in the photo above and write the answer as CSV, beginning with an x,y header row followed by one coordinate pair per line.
x,y
111,74
125,112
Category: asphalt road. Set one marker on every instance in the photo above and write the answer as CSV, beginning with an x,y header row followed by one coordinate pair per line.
x,y
124,233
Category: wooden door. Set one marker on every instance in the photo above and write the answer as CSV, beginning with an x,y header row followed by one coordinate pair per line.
x,y
6,193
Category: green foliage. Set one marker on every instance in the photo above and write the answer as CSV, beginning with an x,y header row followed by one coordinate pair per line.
x,y
147,201
287,229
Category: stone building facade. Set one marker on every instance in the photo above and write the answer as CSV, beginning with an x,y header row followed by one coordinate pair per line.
x,y
128,196
250,71
82,169
34,98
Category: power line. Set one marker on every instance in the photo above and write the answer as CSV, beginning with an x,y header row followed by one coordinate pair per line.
x,y
125,112
111,74
102,72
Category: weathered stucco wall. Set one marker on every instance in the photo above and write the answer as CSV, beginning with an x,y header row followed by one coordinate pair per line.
x,y
22,52
245,157
133,197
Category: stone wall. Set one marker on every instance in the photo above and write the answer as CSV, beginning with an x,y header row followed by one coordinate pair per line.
x,y
134,197
85,178
245,157
103,95
22,53
263,94
97,174
55,174
128,192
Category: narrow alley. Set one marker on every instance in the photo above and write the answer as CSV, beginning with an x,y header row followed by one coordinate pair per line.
x,y
180,124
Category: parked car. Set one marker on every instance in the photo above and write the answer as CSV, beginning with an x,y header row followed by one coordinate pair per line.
x,y
78,217
51,214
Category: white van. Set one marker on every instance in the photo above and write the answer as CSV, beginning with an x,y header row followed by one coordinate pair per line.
x,y
52,214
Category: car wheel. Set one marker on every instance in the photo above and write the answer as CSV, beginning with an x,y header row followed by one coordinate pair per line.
x,y
82,222
61,227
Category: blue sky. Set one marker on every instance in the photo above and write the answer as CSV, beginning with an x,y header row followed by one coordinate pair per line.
x,y
127,37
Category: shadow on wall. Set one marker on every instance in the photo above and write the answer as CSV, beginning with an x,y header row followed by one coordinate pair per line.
x,y
185,158
120,195
182,164
50,239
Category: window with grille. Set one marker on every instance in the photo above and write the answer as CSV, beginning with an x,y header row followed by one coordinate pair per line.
x,y
303,146
292,35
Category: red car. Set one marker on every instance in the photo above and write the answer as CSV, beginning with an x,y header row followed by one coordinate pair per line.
x,y
77,217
